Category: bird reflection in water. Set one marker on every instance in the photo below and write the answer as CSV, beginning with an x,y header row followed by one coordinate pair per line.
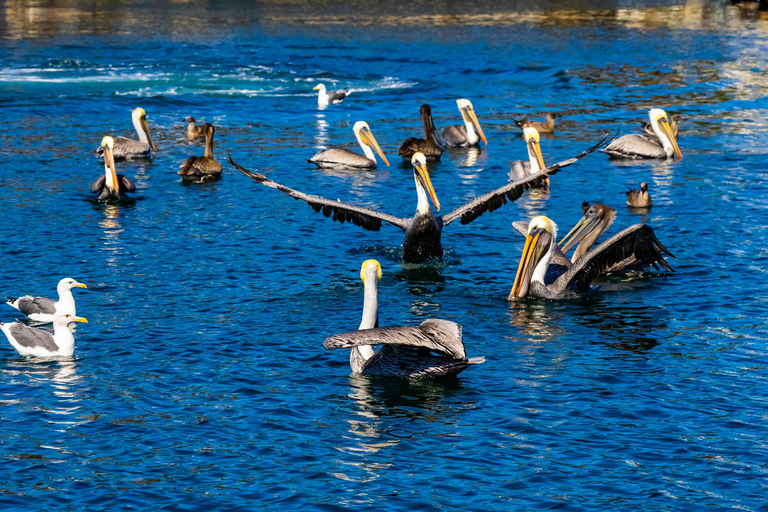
x,y
112,229
321,136
538,320
626,327
426,280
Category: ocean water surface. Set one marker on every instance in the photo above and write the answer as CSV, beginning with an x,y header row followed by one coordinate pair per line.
x,y
200,380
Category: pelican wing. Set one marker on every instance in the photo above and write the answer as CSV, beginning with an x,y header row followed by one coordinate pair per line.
x,y
125,148
635,146
413,145
126,184
519,169
439,336
638,243
97,185
455,135
336,157
199,166
512,191
366,218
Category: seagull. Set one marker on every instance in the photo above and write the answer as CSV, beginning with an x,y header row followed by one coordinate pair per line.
x,y
43,310
29,341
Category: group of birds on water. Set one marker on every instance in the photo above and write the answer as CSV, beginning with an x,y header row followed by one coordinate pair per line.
x,y
434,348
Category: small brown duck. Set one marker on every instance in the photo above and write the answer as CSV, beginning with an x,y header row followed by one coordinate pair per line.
x,y
202,168
639,198
548,127
194,132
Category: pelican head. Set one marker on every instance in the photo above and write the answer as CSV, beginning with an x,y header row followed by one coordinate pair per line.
x,y
108,143
468,114
595,221
532,139
142,128
367,141
662,129
430,131
423,183
370,269
370,273
189,119
537,253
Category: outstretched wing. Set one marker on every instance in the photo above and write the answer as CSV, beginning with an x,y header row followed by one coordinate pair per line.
x,y
366,218
637,242
441,336
512,191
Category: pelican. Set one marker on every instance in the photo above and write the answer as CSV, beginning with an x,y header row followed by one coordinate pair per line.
x,y
128,148
595,221
518,169
639,198
194,131
456,136
202,168
111,186
433,349
637,146
431,145
29,341
41,309
423,231
339,158
328,98
548,127
674,119
536,278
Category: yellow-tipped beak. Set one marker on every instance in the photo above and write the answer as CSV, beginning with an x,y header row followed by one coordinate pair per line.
x,y
424,175
145,126
664,125
476,123
316,88
533,144
525,260
81,285
367,137
80,319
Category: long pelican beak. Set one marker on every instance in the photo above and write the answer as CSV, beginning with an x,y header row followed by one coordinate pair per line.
x,y
667,130
535,149
109,161
582,228
473,119
367,137
536,246
429,127
145,127
423,174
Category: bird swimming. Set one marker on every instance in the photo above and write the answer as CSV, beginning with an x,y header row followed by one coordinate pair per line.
x,y
431,146
129,148
433,349
111,186
329,98
194,131
467,135
41,309
548,127
639,198
636,146
339,158
595,221
518,169
423,231
30,341
202,168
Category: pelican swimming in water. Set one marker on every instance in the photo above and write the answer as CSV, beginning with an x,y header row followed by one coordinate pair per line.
x,y
29,341
535,276
41,309
639,198
467,135
637,146
519,169
194,131
329,98
339,158
431,146
202,168
111,186
548,127
128,148
433,349
424,230
595,221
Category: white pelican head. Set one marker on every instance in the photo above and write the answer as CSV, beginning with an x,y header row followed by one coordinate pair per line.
x,y
660,125
139,118
367,141
537,253
532,140
108,143
470,120
423,183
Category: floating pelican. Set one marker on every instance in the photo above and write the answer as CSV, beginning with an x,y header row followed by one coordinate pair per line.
x,y
339,158
456,136
423,231
194,131
637,146
29,341
639,198
433,349
111,186
535,277
202,168
328,98
548,127
128,148
674,119
431,145
520,168
41,309
595,221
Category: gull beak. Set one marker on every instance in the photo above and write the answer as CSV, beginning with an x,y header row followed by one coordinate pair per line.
x,y
315,88
423,174
367,137
145,127
80,319
582,228
667,130
536,246
473,118
81,285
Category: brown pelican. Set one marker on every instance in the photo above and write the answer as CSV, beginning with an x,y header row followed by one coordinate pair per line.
x,y
193,131
423,231
636,146
594,222
41,309
339,158
674,119
111,186
433,349
548,127
536,278
328,98
29,341
431,145
128,148
639,198
518,169
456,136
202,168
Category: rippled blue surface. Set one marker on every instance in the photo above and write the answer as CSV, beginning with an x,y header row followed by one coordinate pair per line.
x,y
201,381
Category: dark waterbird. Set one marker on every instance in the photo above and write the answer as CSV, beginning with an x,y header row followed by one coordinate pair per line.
x,y
202,168
431,145
111,186
194,131
639,198
547,127
673,126
129,148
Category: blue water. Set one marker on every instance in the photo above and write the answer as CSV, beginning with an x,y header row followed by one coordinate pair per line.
x,y
200,381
